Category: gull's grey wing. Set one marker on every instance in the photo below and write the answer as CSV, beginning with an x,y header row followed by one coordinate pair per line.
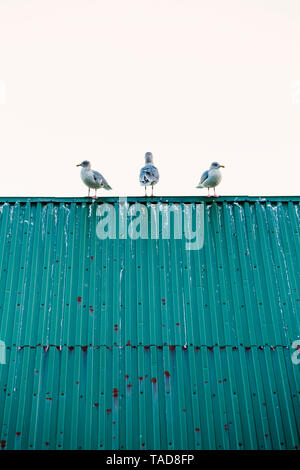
x,y
149,174
204,177
98,178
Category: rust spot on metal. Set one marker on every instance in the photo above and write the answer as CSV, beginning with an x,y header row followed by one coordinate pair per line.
x,y
115,393
79,299
167,374
153,380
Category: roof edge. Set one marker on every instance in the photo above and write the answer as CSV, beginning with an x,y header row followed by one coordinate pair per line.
x,y
186,199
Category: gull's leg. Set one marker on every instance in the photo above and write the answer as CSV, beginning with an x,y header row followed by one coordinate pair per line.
x,y
208,195
152,191
146,191
89,192
215,195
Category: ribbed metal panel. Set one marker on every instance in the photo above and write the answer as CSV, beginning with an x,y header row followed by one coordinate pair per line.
x,y
141,344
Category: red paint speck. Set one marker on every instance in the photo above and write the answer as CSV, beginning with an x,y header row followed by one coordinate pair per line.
x,y
96,405
129,386
226,427
154,380
70,348
3,444
126,377
92,257
177,324
266,435
79,299
47,443
167,374
172,347
84,348
240,444
116,327
210,348
197,429
18,433
91,308
48,398
108,410
115,393
140,378
143,444
146,348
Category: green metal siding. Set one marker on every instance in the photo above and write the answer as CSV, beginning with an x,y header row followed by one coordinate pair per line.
x,y
123,344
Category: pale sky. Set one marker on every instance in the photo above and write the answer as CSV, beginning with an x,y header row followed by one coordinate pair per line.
x,y
192,81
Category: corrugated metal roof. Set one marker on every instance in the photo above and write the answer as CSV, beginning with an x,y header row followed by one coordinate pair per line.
x,y
142,344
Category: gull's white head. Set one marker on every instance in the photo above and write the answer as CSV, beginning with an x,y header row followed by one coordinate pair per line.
x,y
216,166
148,157
85,164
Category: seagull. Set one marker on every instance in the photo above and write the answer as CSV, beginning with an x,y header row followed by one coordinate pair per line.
x,y
149,175
211,178
93,179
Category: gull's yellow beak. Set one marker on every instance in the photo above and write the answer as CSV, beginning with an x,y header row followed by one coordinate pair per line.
x,y
79,164
222,166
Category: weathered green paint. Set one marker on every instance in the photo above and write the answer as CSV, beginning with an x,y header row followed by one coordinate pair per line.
x,y
123,344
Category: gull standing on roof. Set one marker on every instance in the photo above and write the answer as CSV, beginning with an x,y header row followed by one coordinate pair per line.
x,y
93,179
211,178
149,175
